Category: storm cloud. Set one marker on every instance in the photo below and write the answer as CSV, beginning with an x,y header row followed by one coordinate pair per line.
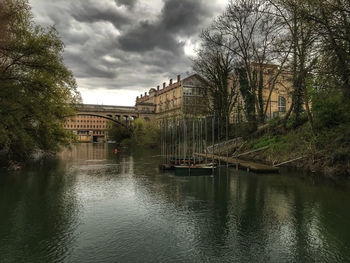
x,y
127,45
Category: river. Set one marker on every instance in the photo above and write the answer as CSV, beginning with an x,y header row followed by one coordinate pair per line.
x,y
89,205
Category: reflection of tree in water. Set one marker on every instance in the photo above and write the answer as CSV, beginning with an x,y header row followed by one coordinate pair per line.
x,y
38,214
251,217
233,216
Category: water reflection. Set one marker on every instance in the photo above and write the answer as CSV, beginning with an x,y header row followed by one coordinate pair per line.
x,y
94,206
38,214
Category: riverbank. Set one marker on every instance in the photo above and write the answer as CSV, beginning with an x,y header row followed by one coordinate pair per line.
x,y
326,152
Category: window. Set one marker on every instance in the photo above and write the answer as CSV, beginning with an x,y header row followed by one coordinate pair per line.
x,y
281,104
187,91
174,93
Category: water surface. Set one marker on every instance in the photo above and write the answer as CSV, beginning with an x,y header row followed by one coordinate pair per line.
x,y
90,205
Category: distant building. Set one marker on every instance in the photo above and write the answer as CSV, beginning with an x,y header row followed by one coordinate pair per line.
x,y
87,128
91,122
184,97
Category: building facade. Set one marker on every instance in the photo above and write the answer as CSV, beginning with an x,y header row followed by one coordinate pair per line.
x,y
181,98
276,93
87,128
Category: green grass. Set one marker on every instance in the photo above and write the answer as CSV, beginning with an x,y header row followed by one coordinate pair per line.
x,y
326,150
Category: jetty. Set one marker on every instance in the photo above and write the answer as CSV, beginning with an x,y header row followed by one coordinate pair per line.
x,y
242,164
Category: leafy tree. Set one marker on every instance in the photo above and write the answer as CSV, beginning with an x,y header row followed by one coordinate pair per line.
x,y
143,133
118,132
37,90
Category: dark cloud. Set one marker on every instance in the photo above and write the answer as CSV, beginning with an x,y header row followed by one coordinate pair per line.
x,y
177,19
125,44
98,12
127,3
184,17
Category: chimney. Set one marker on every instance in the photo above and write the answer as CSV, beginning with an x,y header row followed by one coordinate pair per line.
x,y
137,98
158,88
145,94
164,85
141,95
178,78
171,82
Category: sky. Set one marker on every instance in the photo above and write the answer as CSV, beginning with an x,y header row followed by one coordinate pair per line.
x,y
118,49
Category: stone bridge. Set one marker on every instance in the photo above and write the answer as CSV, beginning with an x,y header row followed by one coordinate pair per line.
x,y
122,114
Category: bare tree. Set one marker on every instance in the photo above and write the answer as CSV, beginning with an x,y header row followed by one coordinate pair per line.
x,y
216,65
251,32
302,40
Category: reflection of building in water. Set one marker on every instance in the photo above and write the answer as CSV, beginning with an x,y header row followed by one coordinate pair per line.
x,y
98,151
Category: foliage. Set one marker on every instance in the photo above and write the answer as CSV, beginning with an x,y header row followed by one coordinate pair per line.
x,y
143,134
248,96
329,109
118,132
331,22
37,90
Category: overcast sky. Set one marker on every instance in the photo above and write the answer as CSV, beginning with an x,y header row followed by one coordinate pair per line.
x,y
118,49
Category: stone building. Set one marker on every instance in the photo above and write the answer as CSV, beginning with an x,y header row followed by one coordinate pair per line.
x,y
87,128
184,97
279,92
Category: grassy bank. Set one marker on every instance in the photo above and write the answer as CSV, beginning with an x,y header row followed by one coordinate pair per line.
x,y
326,151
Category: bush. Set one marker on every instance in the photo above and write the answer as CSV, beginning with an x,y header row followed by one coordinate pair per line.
x,y
144,133
329,109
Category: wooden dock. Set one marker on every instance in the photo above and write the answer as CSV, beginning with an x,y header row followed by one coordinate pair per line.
x,y
242,164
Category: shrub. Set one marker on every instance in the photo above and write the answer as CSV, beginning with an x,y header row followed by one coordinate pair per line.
x,y
329,109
